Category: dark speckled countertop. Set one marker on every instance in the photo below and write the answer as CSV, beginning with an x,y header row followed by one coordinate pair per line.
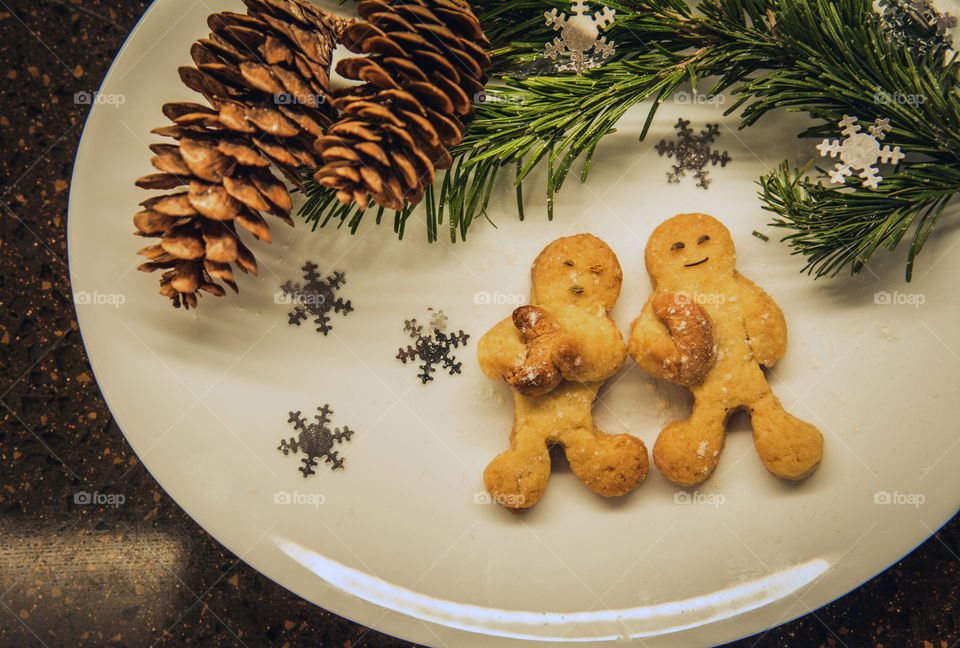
x,y
143,573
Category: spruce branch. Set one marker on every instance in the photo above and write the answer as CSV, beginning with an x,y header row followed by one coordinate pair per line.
x,y
851,67
842,229
825,58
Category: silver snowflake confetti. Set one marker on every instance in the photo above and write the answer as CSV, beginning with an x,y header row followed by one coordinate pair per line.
x,y
917,25
315,296
580,35
315,440
692,153
432,347
860,151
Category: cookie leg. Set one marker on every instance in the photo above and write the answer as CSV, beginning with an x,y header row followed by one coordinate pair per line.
x,y
607,464
686,452
789,448
517,478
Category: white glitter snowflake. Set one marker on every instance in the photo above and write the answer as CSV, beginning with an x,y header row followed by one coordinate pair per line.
x,y
579,34
860,151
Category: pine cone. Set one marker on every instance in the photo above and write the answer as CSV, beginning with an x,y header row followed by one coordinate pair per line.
x,y
265,75
426,62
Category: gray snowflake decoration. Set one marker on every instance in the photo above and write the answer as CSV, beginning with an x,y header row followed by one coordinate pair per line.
x,y
315,296
860,151
692,153
315,440
432,347
917,25
580,35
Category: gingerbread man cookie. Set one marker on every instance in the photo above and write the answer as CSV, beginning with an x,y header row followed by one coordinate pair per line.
x,y
555,353
709,328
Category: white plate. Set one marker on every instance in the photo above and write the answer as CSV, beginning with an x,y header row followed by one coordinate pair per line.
x,y
398,542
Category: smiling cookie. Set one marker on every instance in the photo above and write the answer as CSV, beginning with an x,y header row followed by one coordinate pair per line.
x,y
709,328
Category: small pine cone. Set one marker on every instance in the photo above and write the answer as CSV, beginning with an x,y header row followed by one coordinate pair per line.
x,y
425,62
265,76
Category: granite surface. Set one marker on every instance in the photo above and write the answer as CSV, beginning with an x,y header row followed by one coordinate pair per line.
x,y
136,570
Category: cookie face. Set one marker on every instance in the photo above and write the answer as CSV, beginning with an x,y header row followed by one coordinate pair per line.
x,y
578,270
690,246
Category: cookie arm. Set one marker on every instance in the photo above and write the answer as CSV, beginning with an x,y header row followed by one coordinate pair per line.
x,y
674,339
650,344
547,345
764,321
501,350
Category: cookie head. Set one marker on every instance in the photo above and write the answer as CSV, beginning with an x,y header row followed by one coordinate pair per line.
x,y
579,270
689,246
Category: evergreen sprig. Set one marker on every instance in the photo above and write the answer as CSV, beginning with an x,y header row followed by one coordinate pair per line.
x,y
826,58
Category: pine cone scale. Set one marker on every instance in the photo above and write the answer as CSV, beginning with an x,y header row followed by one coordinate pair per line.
x,y
220,244
254,223
246,193
182,243
161,181
171,205
241,152
356,35
152,223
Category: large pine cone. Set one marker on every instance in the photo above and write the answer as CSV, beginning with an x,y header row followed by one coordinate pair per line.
x,y
265,75
426,62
